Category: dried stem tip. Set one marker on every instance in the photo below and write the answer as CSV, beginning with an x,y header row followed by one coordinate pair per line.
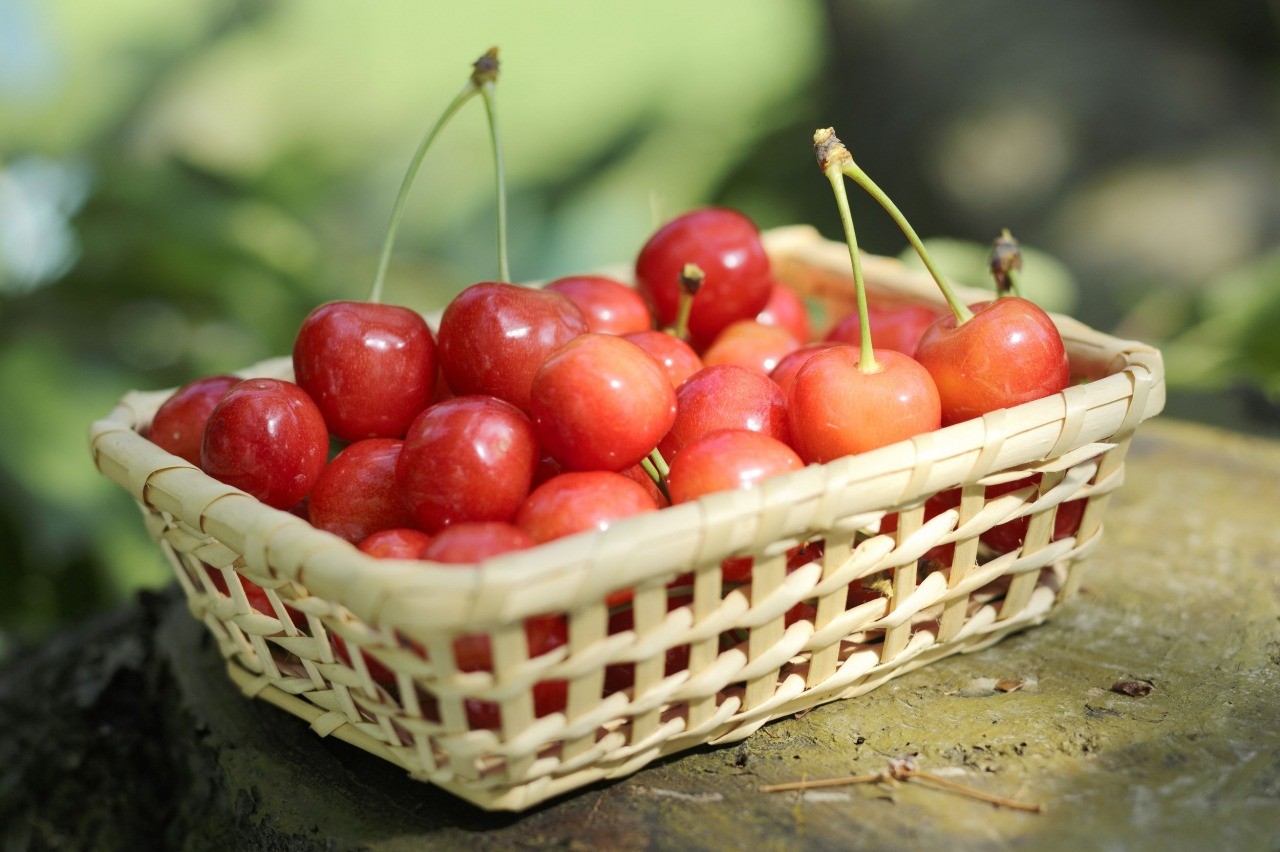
x,y
829,150
1006,258
691,278
486,68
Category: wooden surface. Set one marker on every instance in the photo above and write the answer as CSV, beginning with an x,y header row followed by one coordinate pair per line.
x,y
134,745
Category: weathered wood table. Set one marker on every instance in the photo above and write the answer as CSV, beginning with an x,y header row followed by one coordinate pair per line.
x,y
113,739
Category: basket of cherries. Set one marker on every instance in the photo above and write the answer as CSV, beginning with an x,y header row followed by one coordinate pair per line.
x,y
569,529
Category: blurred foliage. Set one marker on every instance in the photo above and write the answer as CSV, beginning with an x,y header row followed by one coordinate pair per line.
x,y
180,184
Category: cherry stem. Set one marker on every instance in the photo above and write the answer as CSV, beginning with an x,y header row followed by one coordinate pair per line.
x,y
659,479
655,457
397,212
829,152
1006,264
486,90
858,176
691,278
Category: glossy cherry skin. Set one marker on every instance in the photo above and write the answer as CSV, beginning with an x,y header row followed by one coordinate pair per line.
x,y
370,368
751,344
726,397
786,309
470,458
785,373
356,494
399,543
836,410
266,437
476,542
577,502
1008,354
178,426
609,306
726,246
601,403
893,326
494,337
676,357
726,460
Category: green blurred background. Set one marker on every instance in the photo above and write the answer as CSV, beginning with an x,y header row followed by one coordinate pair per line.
x,y
181,183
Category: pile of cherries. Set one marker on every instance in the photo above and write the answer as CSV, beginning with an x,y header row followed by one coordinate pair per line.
x,y
535,414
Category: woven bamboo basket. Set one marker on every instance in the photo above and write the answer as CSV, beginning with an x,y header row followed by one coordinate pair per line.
x,y
363,649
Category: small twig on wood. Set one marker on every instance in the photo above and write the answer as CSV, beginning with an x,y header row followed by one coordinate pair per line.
x,y
902,771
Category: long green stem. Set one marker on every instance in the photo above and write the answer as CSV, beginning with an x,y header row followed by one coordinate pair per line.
x,y
867,359
486,90
397,212
858,176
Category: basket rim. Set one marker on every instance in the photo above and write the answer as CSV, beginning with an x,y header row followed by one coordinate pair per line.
x,y
423,599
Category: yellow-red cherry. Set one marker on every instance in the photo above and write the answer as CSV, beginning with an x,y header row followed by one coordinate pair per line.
x,y
836,409
601,403
726,397
1008,353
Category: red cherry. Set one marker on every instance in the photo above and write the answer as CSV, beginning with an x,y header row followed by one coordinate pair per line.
x,y
476,542
370,368
544,633
356,493
785,373
751,344
1011,534
396,544
254,594
494,337
835,409
1008,353
266,437
726,397
178,426
738,568
577,502
601,403
609,306
893,326
470,458
726,246
726,460
786,309
675,356
547,468
620,676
